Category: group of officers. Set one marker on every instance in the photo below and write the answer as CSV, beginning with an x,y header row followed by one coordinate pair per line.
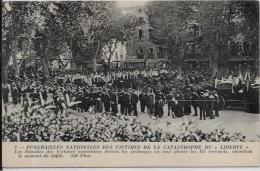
x,y
125,101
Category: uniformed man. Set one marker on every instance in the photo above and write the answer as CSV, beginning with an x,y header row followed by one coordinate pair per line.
x,y
151,103
210,105
194,102
134,101
98,96
86,99
126,103
179,105
14,94
207,103
159,102
187,103
201,104
114,102
216,103
142,101
170,103
120,101
105,98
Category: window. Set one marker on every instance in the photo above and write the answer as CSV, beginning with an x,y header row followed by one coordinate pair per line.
x,y
140,19
246,49
150,53
140,53
160,52
140,34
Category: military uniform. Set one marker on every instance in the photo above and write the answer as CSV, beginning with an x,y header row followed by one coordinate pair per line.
x,y
151,103
142,101
202,104
170,103
179,105
99,107
86,100
126,102
187,104
158,107
113,98
106,101
216,104
194,102
210,106
207,104
134,101
120,101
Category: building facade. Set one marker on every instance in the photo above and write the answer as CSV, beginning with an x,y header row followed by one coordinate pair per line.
x,y
141,51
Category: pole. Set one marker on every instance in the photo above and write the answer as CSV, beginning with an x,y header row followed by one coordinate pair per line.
x,y
94,57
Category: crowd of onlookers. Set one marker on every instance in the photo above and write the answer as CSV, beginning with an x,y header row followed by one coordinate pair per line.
x,y
45,103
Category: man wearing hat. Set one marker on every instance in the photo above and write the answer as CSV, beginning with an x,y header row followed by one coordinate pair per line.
x,y
216,103
134,101
207,104
179,105
151,102
105,98
210,105
126,102
187,103
201,105
170,103
194,102
142,101
159,101
120,102
114,101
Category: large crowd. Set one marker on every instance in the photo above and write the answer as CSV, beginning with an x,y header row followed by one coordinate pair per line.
x,y
108,100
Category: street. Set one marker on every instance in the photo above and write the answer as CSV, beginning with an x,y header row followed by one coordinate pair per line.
x,y
231,121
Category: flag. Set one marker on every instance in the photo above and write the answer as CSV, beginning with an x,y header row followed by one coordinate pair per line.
x,y
7,6
215,82
247,80
233,83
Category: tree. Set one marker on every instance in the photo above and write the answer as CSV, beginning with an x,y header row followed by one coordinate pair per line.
x,y
169,21
118,28
19,20
221,22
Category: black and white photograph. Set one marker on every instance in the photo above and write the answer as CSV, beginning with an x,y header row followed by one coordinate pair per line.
x,y
130,71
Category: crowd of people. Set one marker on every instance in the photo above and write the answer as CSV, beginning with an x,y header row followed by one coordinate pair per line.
x,y
119,92
110,99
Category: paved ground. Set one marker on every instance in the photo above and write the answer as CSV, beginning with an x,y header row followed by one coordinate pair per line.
x,y
232,121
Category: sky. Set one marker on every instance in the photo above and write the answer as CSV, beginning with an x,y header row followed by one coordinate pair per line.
x,y
129,4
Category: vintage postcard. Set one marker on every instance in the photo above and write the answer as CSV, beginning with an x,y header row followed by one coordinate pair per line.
x,y
130,83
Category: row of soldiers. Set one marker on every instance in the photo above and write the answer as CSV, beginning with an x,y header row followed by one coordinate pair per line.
x,y
179,104
108,99
151,102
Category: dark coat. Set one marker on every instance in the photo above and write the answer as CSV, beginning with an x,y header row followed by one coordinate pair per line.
x,y
134,98
105,98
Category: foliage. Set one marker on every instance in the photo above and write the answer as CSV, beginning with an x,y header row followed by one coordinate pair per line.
x,y
169,21
218,23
